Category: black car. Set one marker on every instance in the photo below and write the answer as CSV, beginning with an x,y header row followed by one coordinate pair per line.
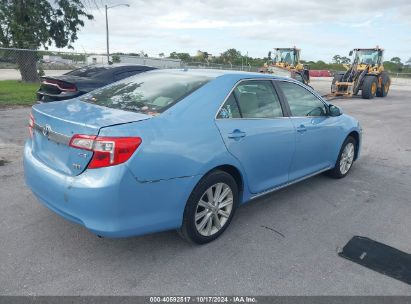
x,y
84,80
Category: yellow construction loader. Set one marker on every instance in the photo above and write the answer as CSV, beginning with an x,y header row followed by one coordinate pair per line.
x,y
365,74
288,59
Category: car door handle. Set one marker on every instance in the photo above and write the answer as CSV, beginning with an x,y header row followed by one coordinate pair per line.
x,y
236,134
301,129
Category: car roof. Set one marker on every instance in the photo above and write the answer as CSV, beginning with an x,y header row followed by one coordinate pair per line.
x,y
104,71
131,65
214,73
116,66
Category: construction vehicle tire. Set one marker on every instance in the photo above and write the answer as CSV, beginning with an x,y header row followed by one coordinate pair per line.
x,y
337,77
385,85
369,87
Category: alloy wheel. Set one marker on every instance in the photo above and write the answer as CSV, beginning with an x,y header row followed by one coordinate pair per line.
x,y
214,209
347,158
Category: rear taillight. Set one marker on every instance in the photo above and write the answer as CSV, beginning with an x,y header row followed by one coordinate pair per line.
x,y
62,85
108,151
31,124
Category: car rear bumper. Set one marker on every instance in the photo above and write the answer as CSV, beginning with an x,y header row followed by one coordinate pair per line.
x,y
109,201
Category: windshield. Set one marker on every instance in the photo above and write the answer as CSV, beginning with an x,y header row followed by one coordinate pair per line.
x,y
87,71
366,56
147,93
286,56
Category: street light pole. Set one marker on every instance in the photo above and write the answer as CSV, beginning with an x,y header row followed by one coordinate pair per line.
x,y
107,39
108,49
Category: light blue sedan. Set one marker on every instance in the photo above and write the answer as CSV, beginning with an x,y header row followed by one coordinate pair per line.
x,y
181,149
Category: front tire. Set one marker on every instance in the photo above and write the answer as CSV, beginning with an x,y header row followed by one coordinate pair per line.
x,y
210,208
369,87
345,159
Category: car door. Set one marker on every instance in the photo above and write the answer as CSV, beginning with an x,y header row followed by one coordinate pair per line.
x,y
256,132
317,134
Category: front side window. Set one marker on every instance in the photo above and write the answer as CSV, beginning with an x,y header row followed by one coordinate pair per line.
x,y
301,101
148,93
285,56
253,99
366,57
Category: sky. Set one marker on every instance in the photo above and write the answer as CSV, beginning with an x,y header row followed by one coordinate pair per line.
x,y
320,28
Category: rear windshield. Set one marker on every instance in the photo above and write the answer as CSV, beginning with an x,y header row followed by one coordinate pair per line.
x,y
148,93
87,71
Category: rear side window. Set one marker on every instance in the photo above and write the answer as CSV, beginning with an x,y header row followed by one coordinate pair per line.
x,y
301,101
229,109
122,75
148,93
252,99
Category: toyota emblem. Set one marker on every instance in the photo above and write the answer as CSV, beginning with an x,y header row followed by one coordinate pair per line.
x,y
46,130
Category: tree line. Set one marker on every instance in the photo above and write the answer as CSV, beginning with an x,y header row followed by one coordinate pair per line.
x,y
235,57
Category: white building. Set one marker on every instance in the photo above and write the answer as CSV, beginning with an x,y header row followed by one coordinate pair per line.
x,y
97,59
56,59
163,63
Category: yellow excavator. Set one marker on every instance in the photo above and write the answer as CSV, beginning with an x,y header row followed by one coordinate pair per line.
x,y
288,59
365,74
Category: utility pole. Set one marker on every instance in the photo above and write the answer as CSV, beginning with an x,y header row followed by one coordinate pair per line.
x,y
107,39
108,48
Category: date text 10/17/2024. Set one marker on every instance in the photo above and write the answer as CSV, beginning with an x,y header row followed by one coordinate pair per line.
x,y
203,299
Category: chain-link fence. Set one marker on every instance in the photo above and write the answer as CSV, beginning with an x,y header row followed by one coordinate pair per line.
x,y
210,65
401,75
28,65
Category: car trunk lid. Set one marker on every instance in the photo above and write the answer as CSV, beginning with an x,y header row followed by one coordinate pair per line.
x,y
56,123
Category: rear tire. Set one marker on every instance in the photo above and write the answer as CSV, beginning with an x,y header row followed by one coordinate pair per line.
x,y
210,208
385,85
369,87
345,158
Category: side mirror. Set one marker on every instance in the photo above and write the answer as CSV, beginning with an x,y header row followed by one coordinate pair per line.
x,y
334,110
351,53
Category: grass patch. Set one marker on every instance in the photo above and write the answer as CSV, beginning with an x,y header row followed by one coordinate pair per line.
x,y
14,92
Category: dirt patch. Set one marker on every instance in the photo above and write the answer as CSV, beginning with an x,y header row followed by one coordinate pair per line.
x,y
3,162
